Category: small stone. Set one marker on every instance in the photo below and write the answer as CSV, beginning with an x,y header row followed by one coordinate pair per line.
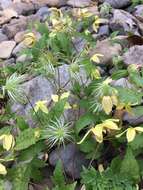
x,y
122,82
23,8
18,49
132,119
118,4
6,48
72,159
134,55
5,3
139,12
43,13
19,37
16,25
79,3
3,37
108,50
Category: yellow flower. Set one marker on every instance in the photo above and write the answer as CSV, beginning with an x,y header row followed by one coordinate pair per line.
x,y
95,58
29,39
41,105
96,23
57,98
2,169
95,74
126,106
83,13
7,141
131,133
104,127
108,102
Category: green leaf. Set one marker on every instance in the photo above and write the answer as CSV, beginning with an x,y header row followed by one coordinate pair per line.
x,y
58,177
21,123
129,95
129,167
83,122
137,143
136,79
119,74
25,139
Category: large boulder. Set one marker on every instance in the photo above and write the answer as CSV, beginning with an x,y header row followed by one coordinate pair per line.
x,y
79,3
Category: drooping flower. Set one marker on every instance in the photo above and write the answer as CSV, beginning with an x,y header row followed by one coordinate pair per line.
x,y
98,131
41,105
96,58
57,98
29,39
95,74
96,23
131,133
83,13
108,102
7,141
2,169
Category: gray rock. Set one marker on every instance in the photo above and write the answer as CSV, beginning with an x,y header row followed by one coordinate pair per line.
x,y
139,12
43,13
108,50
23,8
23,58
5,3
38,88
134,56
6,48
118,4
52,3
9,62
132,119
3,37
19,36
123,82
16,25
103,31
17,50
72,160
123,22
79,3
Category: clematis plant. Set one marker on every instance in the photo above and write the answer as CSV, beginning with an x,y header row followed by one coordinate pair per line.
x,y
131,133
8,141
41,105
29,39
104,127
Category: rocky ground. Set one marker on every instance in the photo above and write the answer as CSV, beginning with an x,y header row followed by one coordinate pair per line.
x,y
15,17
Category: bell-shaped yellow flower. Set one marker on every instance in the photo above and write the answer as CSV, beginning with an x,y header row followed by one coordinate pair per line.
x,y
96,23
131,133
29,39
96,58
7,141
95,74
83,13
2,169
107,104
106,126
57,98
41,105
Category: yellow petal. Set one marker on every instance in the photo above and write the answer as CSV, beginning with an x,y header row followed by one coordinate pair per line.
x,y
95,74
114,100
2,169
55,98
95,58
8,142
44,109
98,132
111,125
139,129
131,133
2,137
107,104
100,168
67,106
65,95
